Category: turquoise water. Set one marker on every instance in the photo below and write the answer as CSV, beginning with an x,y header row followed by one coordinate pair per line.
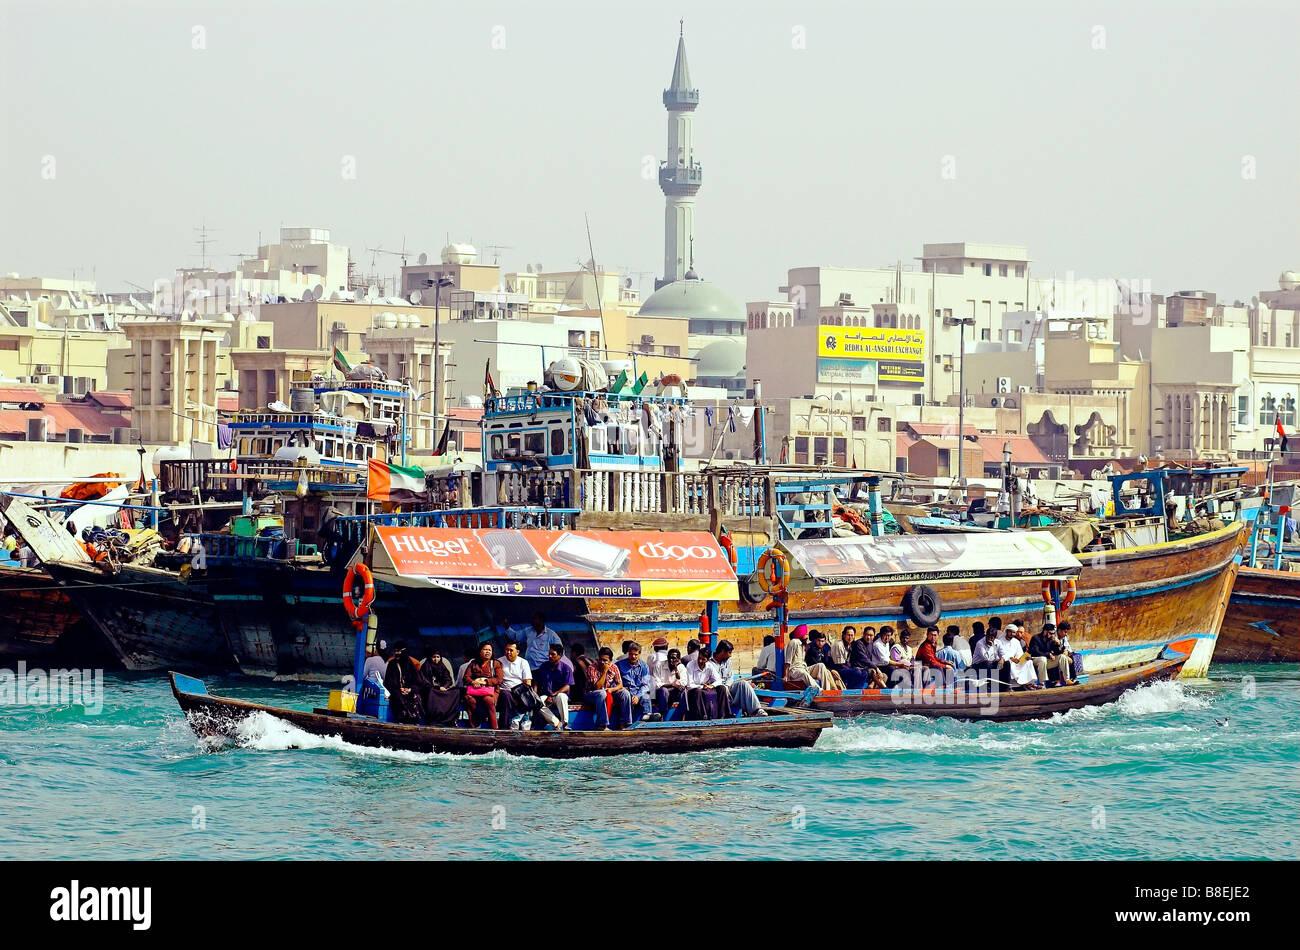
x,y
1152,776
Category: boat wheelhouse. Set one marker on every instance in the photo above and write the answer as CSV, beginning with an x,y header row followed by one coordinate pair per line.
x,y
346,424
561,431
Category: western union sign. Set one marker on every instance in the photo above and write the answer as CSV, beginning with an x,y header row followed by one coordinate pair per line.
x,y
871,343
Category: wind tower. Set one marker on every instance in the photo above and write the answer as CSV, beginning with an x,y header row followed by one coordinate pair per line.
x,y
680,174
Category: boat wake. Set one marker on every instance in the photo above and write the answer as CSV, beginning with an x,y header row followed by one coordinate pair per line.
x,y
265,733
901,733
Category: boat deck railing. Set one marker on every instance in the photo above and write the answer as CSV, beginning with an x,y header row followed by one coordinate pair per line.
x,y
230,547
357,527
203,475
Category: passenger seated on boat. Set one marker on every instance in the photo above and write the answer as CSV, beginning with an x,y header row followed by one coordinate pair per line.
x,y
604,682
636,677
898,662
927,655
706,697
1076,660
554,682
1046,646
798,675
438,689
766,662
1018,667
377,662
818,658
976,635
985,657
670,684
840,658
401,679
516,697
864,659
949,652
482,684
741,697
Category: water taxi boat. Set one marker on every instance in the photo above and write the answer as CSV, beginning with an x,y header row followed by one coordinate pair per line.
x,y
210,715
976,699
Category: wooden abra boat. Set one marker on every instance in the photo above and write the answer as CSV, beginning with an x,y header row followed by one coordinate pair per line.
x,y
981,700
210,715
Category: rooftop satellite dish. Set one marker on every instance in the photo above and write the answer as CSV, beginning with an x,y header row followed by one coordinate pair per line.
x,y
422,259
59,302
627,282
415,296
317,292
372,292
537,268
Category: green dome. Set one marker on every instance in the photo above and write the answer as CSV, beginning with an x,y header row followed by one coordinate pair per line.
x,y
693,299
723,359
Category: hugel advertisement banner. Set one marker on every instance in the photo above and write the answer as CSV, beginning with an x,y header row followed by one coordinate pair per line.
x,y
871,343
934,558
657,565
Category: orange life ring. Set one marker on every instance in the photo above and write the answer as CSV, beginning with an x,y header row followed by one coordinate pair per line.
x,y
357,610
773,571
1047,592
728,546
1068,599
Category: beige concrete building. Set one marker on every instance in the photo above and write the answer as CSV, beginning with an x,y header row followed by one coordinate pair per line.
x,y
173,377
408,355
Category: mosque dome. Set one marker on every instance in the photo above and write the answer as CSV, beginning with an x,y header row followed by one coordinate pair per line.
x,y
722,359
693,299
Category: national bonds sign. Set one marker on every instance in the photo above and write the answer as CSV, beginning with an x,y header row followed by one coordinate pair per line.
x,y
662,565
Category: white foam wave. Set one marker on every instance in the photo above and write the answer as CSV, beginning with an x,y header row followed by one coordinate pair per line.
x,y
918,736
265,733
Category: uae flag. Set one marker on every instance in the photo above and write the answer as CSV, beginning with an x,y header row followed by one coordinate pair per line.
x,y
396,483
341,362
1281,432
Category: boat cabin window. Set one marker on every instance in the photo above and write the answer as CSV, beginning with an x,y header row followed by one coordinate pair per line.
x,y
535,443
597,438
557,441
497,445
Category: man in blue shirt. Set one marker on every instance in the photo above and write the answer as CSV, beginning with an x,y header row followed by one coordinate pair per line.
x,y
554,682
636,677
535,642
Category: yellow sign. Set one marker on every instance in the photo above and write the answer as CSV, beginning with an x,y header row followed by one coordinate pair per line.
x,y
870,343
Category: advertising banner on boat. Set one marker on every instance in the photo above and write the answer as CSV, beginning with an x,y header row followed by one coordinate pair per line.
x,y
934,558
656,565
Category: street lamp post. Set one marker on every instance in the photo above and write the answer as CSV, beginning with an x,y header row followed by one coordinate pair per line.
x,y
963,323
437,285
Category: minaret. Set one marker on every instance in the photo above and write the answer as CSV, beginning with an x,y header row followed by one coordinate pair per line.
x,y
679,175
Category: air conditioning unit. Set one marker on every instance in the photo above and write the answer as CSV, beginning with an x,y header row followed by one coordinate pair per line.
x,y
918,399
1022,389
53,381
76,436
42,368
38,429
995,402
1004,384
121,435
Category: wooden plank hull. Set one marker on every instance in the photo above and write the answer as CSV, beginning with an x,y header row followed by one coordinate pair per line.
x,y
1262,623
996,705
150,618
210,715
36,613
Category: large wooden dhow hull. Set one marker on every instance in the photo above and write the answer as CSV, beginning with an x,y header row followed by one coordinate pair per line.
x,y
1262,623
210,715
1129,605
150,618
36,612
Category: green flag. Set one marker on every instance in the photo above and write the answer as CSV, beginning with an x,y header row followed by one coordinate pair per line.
x,y
341,362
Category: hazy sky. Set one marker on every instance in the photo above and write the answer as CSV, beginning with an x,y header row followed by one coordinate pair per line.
x,y
1133,160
